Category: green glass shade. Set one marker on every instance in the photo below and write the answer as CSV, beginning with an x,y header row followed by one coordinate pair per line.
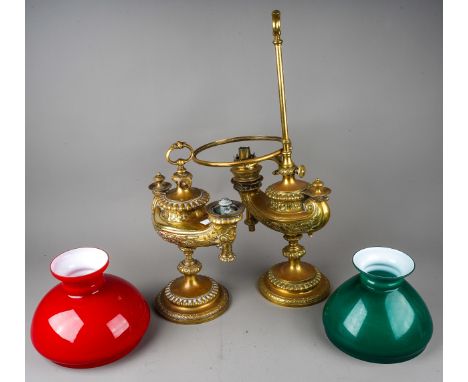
x,y
377,316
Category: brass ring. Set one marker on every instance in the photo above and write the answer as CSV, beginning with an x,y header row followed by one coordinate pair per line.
x,y
179,145
276,21
237,139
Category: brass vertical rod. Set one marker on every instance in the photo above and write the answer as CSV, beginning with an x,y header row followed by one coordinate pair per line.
x,y
277,42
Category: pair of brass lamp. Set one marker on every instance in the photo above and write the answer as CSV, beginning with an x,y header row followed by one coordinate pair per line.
x,y
182,216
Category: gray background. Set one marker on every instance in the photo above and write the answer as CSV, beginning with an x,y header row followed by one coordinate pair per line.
x,y
111,84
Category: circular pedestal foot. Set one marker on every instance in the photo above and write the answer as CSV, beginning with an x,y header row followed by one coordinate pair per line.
x,y
192,309
298,286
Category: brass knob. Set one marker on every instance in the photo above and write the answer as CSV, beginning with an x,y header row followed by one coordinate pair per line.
x,y
158,178
301,171
159,185
317,190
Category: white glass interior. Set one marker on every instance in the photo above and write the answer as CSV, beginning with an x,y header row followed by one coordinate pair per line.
x,y
383,259
79,262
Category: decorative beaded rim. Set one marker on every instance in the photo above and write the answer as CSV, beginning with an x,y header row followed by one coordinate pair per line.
x,y
287,196
193,318
163,202
192,301
293,301
298,286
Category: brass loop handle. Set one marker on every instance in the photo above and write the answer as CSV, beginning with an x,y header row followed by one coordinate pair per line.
x,y
179,145
276,22
220,142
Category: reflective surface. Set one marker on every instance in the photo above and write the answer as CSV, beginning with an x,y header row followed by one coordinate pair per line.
x,y
90,327
182,216
290,206
378,317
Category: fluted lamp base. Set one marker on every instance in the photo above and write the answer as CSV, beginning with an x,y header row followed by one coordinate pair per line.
x,y
294,284
194,301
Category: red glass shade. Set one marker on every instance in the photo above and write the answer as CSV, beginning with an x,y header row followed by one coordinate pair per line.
x,y
90,318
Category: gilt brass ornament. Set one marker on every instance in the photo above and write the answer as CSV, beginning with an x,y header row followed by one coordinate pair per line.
x,y
182,216
291,206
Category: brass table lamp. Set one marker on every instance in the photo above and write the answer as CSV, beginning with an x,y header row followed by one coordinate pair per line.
x,y
181,216
290,206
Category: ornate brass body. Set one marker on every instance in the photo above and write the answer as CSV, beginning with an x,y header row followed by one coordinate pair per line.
x,y
290,206
181,216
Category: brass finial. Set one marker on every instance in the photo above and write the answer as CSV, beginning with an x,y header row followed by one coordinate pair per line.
x,y
159,185
318,190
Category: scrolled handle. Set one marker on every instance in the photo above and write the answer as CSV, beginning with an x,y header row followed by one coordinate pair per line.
x,y
179,145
